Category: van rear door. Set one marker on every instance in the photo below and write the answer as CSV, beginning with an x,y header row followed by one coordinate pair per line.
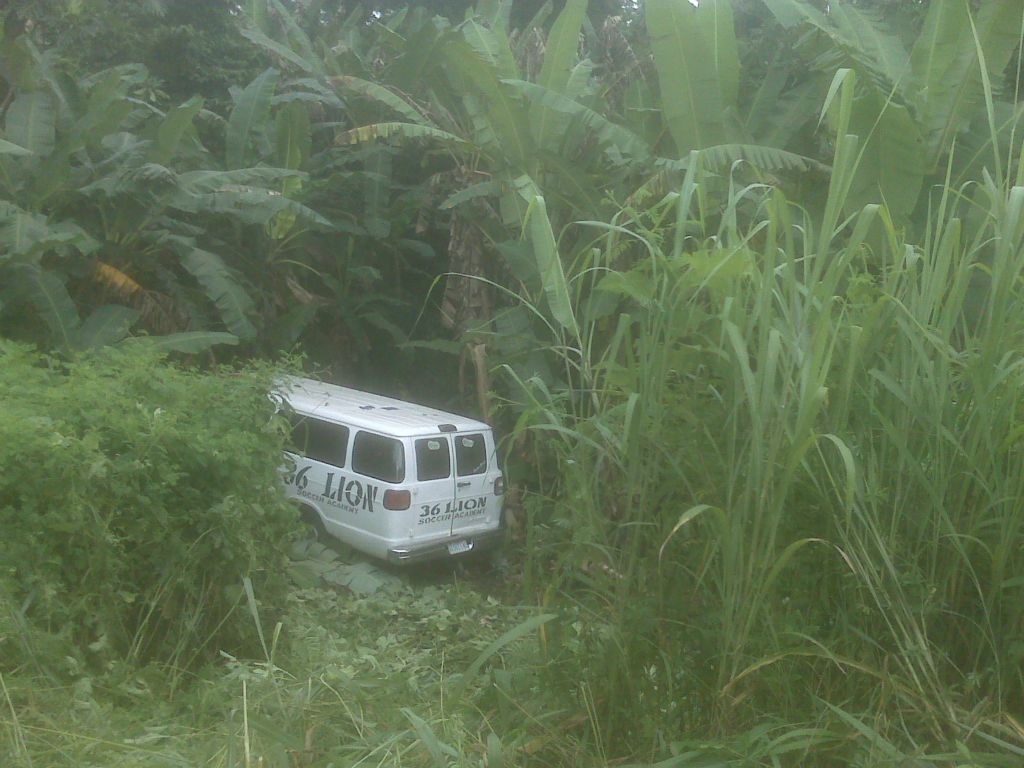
x,y
435,487
474,506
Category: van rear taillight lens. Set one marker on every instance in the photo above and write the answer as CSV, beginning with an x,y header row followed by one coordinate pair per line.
x,y
499,486
397,499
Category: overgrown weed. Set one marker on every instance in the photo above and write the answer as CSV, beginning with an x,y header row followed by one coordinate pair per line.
x,y
783,470
395,674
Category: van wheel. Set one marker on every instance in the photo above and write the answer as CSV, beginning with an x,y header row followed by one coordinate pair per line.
x,y
311,520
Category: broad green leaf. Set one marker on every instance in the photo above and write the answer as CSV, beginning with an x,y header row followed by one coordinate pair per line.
x,y
560,51
213,181
517,193
380,321
298,40
23,233
860,38
894,159
293,134
788,115
9,148
495,752
872,41
31,122
472,192
256,13
378,131
481,130
495,12
173,128
560,54
571,186
761,109
106,325
254,205
436,748
236,193
691,94
481,60
256,36
607,132
377,192
786,13
190,342
224,289
945,84
421,56
520,630
716,21
379,94
294,141
579,79
721,157
311,90
288,326
48,295
549,265
491,46
19,229
107,106
250,115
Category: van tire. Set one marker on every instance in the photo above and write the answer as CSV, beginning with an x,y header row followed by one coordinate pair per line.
x,y
311,520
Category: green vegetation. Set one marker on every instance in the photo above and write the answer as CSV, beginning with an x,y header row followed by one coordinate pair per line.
x,y
134,494
741,284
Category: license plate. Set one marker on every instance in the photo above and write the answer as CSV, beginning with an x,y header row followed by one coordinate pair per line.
x,y
458,547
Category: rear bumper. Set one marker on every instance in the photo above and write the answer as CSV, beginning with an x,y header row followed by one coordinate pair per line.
x,y
484,541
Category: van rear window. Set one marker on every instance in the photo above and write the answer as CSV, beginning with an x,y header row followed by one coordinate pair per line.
x,y
433,462
319,440
379,457
470,454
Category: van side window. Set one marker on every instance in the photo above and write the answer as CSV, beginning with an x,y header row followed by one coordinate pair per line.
x,y
433,462
470,454
380,457
319,440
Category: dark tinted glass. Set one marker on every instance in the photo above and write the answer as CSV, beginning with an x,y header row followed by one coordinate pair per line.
x,y
319,440
378,456
470,454
433,461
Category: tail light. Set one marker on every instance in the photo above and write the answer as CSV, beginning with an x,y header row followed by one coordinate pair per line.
x,y
397,499
499,485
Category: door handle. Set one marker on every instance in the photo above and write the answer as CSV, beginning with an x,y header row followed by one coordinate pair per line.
x,y
463,484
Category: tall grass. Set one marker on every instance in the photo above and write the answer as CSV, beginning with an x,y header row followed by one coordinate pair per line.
x,y
789,485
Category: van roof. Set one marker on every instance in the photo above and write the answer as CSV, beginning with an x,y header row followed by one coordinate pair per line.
x,y
369,411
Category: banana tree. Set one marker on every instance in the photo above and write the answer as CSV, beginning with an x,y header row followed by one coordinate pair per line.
x,y
510,134
113,209
918,106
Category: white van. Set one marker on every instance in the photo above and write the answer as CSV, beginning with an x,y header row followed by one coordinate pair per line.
x,y
395,480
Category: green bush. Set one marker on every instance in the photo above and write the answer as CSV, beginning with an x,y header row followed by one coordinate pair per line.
x,y
135,496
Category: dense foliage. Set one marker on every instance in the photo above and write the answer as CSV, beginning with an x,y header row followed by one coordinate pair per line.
x,y
135,497
740,281
791,477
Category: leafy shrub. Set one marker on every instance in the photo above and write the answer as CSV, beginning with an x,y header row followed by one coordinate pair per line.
x,y
134,498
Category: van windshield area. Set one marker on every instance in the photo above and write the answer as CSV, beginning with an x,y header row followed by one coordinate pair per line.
x,y
379,457
319,440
